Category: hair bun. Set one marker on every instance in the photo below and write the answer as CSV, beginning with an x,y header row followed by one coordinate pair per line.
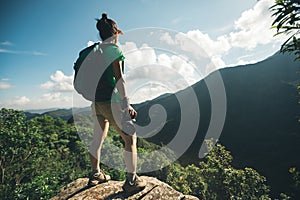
x,y
104,15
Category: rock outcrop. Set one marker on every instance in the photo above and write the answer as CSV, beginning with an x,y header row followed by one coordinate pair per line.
x,y
155,189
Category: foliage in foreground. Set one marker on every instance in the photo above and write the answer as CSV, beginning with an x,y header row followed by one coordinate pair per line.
x,y
41,155
287,21
216,178
37,156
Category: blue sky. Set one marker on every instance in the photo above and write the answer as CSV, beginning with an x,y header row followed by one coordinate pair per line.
x,y
40,40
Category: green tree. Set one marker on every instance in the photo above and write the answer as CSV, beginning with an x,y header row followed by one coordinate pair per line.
x,y
21,149
287,13
296,178
38,156
215,178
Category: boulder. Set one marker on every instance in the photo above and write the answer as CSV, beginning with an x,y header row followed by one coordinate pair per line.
x,y
155,189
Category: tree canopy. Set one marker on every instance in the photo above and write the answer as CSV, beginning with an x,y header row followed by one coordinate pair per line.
x,y
43,154
287,21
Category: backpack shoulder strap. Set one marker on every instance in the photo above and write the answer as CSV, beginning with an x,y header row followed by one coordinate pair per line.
x,y
83,54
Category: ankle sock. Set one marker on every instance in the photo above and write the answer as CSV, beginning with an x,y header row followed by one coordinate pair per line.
x,y
96,171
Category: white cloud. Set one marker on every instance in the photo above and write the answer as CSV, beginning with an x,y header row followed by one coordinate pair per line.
x,y
48,85
211,47
6,43
56,99
59,82
21,101
90,43
243,62
136,57
9,44
216,63
36,53
185,42
254,27
167,38
18,102
51,97
59,94
33,53
6,51
252,30
48,100
148,91
4,85
200,48
149,75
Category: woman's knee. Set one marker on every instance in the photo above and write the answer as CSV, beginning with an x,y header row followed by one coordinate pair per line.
x,y
129,140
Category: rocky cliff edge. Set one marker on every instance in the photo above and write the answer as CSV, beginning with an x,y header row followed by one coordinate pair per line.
x,y
155,189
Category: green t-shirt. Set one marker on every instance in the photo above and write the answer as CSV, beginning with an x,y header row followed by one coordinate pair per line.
x,y
108,92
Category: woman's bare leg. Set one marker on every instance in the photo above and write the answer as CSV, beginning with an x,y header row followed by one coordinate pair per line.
x,y
130,153
98,139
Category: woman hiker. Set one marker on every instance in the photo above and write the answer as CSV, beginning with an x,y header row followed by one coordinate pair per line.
x,y
108,108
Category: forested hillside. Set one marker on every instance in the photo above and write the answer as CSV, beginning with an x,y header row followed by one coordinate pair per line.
x,y
41,155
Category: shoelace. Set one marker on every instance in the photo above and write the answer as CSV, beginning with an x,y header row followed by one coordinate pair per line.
x,y
133,182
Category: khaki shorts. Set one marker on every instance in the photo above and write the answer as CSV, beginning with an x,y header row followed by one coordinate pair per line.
x,y
107,112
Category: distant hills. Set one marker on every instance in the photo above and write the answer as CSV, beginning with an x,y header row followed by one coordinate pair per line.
x,y
41,111
65,114
261,128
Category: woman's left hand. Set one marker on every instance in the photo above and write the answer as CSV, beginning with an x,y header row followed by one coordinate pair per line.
x,y
132,112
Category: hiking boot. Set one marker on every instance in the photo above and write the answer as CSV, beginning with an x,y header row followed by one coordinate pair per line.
x,y
134,186
97,178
